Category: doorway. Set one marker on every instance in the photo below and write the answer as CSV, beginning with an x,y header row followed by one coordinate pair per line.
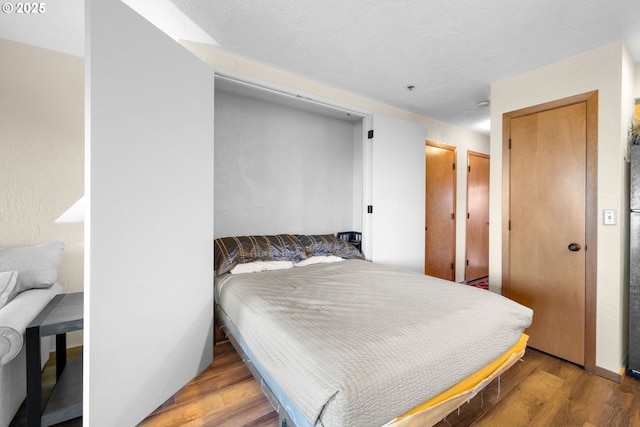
x,y
550,222
477,235
440,211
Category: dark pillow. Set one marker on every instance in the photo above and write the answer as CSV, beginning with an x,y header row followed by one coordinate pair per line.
x,y
328,244
231,251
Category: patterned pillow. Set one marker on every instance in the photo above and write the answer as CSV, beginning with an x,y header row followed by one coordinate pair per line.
x,y
231,251
328,244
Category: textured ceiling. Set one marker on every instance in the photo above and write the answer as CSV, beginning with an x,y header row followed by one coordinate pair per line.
x,y
450,50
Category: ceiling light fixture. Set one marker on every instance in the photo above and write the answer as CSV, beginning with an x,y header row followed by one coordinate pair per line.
x,y
484,103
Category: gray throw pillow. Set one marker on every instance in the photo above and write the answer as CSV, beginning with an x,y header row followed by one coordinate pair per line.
x,y
8,280
37,266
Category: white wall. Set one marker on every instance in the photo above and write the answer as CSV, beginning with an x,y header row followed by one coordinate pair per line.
x,y
149,229
436,131
42,153
280,169
358,210
600,69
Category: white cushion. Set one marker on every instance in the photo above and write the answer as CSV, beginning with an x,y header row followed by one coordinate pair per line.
x,y
17,315
258,266
8,281
319,259
10,344
37,266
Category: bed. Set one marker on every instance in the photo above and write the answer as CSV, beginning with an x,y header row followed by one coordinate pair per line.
x,y
339,341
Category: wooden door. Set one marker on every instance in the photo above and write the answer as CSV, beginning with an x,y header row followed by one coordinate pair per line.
x,y
547,226
440,224
477,237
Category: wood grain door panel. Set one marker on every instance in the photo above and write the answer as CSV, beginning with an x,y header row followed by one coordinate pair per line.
x,y
440,211
477,237
547,214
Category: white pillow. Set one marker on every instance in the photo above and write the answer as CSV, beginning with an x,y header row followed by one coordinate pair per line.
x,y
319,259
8,280
37,265
258,266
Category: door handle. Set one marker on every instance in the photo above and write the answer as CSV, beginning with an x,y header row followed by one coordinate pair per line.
x,y
574,247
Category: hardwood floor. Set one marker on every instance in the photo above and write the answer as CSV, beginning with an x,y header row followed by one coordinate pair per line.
x,y
48,381
540,390
225,394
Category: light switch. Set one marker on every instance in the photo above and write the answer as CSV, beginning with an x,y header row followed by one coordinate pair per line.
x,y
609,217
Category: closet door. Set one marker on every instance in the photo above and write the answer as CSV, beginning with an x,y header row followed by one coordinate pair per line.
x,y
440,206
477,239
548,226
396,195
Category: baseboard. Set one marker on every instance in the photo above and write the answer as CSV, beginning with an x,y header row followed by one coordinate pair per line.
x,y
607,374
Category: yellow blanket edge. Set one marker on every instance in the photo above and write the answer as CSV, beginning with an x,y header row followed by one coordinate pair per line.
x,y
465,389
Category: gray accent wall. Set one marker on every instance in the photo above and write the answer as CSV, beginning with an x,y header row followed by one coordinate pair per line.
x,y
281,169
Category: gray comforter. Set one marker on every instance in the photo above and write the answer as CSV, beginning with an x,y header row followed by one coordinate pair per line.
x,y
356,343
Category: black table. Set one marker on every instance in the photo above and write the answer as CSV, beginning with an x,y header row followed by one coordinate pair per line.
x,y
63,314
